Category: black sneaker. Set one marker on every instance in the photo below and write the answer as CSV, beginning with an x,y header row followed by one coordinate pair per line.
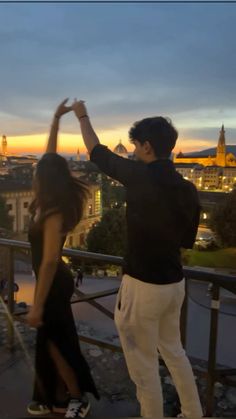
x,y
36,409
78,408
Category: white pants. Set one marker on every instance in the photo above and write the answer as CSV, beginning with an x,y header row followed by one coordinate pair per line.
x,y
147,317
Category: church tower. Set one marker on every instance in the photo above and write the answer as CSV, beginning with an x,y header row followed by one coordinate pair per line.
x,y
221,149
4,145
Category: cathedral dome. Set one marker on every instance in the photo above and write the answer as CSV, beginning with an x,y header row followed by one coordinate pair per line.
x,y
121,150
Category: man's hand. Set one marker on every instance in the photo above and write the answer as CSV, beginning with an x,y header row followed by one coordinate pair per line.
x,y
62,109
34,317
79,108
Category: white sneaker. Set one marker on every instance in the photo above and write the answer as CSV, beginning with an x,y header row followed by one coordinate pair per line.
x,y
78,408
36,408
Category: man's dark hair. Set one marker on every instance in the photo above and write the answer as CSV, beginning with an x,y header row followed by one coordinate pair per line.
x,y
159,131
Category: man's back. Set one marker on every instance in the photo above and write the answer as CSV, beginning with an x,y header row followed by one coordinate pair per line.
x,y
162,215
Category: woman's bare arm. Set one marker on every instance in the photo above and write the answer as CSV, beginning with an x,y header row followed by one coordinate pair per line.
x,y
52,139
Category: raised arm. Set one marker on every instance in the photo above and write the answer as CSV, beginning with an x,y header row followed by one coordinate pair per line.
x,y
52,139
89,136
124,170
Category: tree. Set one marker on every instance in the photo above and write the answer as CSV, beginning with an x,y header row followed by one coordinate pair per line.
x,y
5,218
223,220
113,194
109,235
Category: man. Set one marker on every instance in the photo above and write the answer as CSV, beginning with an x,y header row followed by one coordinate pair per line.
x,y
79,278
162,216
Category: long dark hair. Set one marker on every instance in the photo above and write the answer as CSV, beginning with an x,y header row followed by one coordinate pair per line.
x,y
56,190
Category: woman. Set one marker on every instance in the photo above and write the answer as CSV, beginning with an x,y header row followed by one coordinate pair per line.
x,y
62,374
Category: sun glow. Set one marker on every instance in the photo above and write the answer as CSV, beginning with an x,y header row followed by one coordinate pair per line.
x,y
67,142
70,143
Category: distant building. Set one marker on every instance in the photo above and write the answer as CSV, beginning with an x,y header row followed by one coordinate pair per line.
x,y
220,158
4,145
215,171
191,172
208,177
92,215
121,150
19,160
18,197
7,159
212,177
22,172
228,178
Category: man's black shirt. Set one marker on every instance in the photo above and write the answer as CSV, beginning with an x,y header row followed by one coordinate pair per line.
x,y
162,215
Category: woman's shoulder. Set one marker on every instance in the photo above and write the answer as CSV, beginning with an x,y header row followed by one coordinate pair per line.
x,y
45,218
51,213
53,222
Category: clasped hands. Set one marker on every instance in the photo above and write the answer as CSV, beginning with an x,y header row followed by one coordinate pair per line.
x,y
77,106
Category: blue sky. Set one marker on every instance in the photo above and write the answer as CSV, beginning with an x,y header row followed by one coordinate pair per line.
x,y
128,61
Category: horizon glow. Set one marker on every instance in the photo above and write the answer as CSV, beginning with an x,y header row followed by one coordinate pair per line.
x,y
70,143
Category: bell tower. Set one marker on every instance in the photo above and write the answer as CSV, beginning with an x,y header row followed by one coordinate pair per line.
x,y
221,149
4,145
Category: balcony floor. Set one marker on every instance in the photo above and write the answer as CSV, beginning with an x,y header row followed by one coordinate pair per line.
x,y
109,369
15,392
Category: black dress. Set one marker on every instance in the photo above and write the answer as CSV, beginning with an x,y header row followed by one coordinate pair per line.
x,y
59,328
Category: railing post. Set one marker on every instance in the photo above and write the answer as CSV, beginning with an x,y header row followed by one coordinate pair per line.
x,y
215,305
184,316
10,296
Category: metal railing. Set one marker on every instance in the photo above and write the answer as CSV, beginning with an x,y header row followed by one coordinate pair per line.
x,y
218,280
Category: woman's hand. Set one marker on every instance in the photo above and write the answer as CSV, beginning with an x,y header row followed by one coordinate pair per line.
x,y
79,108
34,317
62,109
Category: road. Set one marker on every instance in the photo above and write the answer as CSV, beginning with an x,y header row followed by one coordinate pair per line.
x,y
198,316
204,233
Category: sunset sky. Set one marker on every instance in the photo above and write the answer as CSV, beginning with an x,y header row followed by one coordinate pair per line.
x,y
128,61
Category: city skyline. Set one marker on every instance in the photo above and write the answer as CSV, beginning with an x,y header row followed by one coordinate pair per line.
x,y
128,61
70,143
